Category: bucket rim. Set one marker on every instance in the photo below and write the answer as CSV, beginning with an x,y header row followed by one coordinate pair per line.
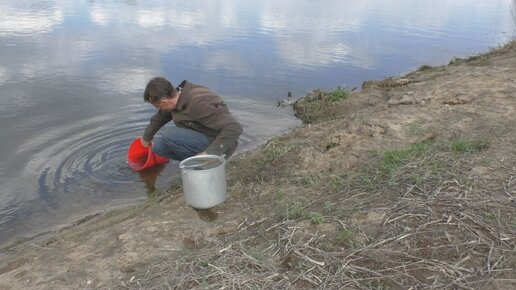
x,y
183,166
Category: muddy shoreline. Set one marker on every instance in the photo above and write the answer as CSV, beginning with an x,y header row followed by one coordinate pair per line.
x,y
410,182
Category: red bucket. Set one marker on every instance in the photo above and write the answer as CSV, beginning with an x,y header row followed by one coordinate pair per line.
x,y
140,157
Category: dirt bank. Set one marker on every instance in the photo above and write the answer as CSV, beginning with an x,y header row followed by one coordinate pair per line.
x,y
408,184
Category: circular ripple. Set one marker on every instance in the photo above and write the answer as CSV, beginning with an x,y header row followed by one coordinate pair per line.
x,y
91,157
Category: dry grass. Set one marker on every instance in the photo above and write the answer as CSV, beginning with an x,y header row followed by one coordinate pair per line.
x,y
440,230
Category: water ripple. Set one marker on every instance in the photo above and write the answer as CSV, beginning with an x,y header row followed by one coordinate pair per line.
x,y
90,155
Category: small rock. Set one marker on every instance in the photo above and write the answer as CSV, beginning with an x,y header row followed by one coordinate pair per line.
x,y
402,82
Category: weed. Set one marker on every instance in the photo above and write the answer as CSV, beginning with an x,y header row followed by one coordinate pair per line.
x,y
424,67
204,284
466,145
461,145
416,178
378,285
279,196
316,218
204,263
388,163
368,182
334,182
328,207
330,182
345,236
258,255
489,217
337,95
273,150
308,180
367,177
394,159
481,144
294,210
331,145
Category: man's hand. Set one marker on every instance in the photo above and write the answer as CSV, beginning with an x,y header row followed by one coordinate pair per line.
x,y
202,153
145,143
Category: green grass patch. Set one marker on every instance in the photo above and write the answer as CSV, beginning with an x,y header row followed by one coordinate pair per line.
x,y
204,284
294,209
316,218
322,181
258,255
424,67
328,207
417,178
394,159
466,145
378,285
308,180
334,183
416,165
298,209
279,196
367,180
388,163
337,95
461,145
274,149
489,217
346,237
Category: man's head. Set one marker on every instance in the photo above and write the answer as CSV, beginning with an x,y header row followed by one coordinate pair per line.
x,y
161,93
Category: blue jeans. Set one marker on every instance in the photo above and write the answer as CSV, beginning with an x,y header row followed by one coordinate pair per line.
x,y
179,143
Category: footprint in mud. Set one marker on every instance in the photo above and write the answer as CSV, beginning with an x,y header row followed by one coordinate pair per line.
x,y
207,215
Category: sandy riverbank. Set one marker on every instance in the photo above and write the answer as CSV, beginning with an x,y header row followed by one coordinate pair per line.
x,y
410,182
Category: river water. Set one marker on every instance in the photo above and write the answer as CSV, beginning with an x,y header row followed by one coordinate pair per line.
x,y
72,75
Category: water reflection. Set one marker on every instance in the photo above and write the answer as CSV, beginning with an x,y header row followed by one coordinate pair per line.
x,y
128,80
513,11
289,37
149,177
27,18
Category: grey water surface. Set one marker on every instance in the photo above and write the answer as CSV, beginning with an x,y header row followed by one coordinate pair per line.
x,y
72,75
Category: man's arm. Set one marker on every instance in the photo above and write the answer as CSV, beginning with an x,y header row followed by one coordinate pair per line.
x,y
156,122
217,117
227,137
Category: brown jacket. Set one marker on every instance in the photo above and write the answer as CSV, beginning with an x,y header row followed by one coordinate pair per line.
x,y
200,109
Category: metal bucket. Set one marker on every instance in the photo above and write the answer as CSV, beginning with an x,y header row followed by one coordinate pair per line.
x,y
204,180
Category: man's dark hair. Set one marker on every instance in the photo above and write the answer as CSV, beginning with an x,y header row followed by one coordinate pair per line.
x,y
158,88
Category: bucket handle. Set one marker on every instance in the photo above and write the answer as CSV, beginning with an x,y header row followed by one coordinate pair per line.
x,y
196,166
154,158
